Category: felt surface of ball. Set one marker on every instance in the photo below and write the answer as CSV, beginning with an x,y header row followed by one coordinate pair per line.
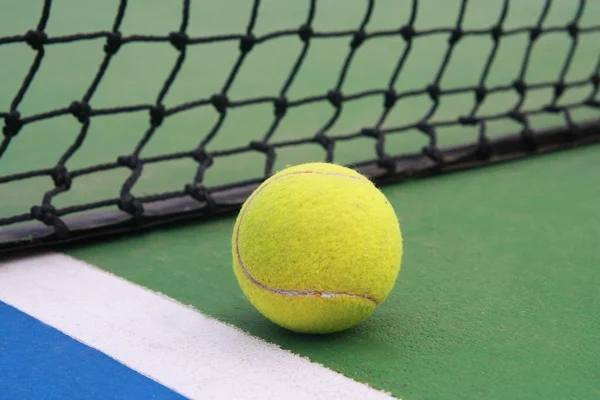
x,y
317,248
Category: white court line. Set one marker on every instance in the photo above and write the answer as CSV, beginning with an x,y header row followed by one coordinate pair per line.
x,y
169,342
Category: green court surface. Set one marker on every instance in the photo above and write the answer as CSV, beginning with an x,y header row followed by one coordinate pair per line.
x,y
499,292
498,297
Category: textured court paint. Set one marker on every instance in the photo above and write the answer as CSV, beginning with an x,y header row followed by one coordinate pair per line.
x,y
39,362
498,298
173,344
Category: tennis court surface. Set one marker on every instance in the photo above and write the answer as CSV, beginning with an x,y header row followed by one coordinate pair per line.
x,y
133,131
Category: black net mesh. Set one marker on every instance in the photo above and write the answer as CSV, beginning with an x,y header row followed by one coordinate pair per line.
x,y
43,222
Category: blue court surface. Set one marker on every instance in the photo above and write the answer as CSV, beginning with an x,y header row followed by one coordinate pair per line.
x,y
40,362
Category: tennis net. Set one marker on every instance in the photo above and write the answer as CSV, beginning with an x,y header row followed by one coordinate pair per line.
x,y
395,91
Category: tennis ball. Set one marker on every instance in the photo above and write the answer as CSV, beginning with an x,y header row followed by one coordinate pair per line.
x,y
316,248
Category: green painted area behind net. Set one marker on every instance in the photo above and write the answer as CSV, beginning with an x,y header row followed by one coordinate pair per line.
x,y
138,71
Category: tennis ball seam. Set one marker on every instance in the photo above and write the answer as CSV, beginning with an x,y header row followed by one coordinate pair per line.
x,y
293,292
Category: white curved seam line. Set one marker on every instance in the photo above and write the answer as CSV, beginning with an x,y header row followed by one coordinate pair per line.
x,y
290,292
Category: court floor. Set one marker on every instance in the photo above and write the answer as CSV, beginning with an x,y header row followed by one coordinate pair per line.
x,y
498,298
499,292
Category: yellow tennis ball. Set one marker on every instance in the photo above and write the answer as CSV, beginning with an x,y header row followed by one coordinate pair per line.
x,y
316,248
